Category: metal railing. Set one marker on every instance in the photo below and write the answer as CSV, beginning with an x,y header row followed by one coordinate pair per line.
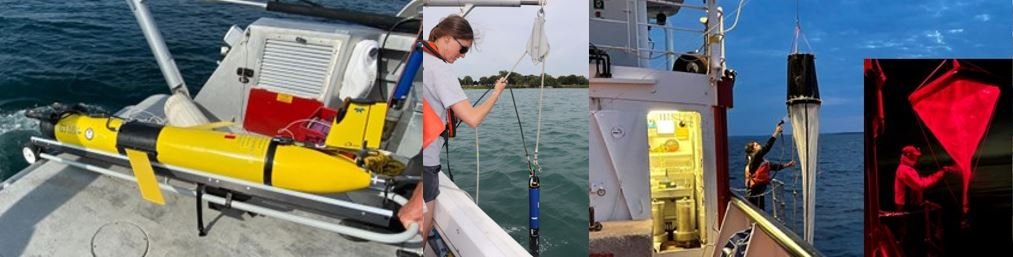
x,y
784,204
632,46
784,236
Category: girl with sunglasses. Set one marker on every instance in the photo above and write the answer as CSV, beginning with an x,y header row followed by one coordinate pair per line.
x,y
448,41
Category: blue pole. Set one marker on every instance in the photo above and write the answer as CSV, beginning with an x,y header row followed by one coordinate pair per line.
x,y
404,83
534,186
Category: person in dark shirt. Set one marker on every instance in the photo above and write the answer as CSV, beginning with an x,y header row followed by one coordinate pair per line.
x,y
757,175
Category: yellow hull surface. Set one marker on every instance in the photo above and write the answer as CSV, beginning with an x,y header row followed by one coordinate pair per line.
x,y
248,157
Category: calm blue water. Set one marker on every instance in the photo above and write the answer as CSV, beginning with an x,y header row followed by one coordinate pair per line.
x,y
93,52
504,175
839,187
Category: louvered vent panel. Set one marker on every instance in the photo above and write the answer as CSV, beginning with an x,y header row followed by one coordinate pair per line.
x,y
295,68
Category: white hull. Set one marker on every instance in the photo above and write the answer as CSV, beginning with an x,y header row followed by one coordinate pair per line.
x,y
467,230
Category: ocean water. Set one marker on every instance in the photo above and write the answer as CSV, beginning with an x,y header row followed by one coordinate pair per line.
x,y
504,176
93,52
839,188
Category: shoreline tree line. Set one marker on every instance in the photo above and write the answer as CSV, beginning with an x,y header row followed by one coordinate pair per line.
x,y
518,80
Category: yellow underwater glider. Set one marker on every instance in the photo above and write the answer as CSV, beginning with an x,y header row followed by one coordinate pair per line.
x,y
248,157
338,166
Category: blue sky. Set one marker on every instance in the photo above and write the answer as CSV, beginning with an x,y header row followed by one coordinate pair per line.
x,y
842,34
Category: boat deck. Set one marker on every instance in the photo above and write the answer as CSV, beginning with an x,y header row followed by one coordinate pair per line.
x,y
57,210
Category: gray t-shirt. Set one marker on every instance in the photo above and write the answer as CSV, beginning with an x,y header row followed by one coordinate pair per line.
x,y
442,89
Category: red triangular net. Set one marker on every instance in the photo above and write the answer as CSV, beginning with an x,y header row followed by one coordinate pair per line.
x,y
957,110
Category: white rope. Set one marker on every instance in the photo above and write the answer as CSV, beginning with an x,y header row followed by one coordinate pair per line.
x,y
538,127
541,93
799,33
541,87
515,64
538,130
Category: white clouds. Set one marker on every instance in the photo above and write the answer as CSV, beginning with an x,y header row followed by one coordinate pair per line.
x,y
925,43
767,52
878,43
940,42
936,36
816,36
937,8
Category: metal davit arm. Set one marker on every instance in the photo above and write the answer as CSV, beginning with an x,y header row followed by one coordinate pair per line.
x,y
158,47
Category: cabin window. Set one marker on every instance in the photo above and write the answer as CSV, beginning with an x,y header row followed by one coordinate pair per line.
x,y
676,168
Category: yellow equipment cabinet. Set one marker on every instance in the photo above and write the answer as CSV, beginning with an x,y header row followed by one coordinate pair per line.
x,y
676,170
360,122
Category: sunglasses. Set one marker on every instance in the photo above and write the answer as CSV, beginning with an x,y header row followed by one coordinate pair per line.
x,y
464,49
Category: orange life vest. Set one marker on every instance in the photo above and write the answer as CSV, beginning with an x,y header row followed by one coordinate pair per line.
x,y
761,176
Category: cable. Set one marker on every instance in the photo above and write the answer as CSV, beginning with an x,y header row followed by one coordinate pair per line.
x,y
738,11
933,73
450,174
521,127
478,171
380,65
799,33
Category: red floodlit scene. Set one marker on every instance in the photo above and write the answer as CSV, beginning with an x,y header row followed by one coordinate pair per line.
x,y
937,156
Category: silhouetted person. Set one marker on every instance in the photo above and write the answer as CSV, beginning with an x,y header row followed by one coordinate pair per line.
x,y
758,169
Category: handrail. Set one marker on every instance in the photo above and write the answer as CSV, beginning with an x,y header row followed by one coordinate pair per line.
x,y
701,31
634,47
784,237
644,49
674,4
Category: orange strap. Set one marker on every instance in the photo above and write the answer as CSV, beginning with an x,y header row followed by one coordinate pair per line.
x,y
432,49
432,126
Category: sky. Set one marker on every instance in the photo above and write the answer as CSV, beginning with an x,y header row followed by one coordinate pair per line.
x,y
841,34
503,34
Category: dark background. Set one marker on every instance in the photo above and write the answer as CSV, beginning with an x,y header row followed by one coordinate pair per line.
x,y
991,182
